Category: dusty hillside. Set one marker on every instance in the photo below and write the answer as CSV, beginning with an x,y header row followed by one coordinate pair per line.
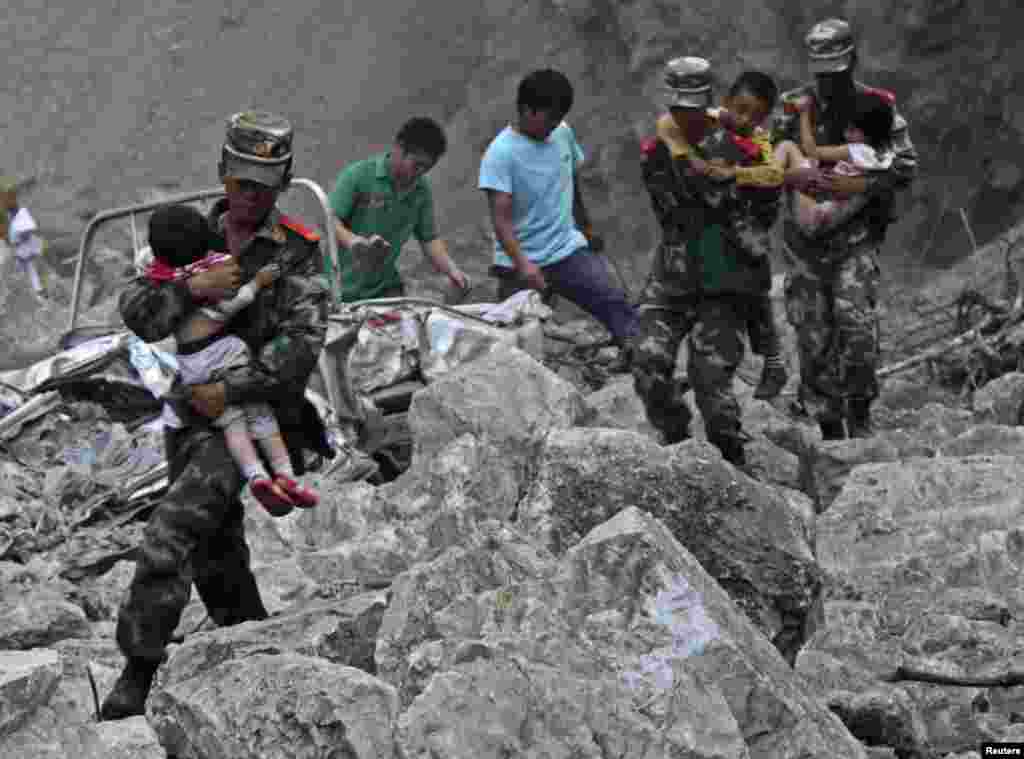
x,y
103,106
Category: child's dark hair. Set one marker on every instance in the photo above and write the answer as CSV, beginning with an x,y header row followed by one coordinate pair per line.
x,y
758,84
545,90
179,235
873,116
422,133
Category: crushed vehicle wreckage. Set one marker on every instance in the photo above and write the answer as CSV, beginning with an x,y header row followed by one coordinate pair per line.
x,y
377,354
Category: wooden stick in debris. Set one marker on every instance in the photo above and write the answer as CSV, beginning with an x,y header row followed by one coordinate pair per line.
x,y
933,352
924,674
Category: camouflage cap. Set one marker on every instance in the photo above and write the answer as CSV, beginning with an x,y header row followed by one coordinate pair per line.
x,y
830,46
687,83
258,147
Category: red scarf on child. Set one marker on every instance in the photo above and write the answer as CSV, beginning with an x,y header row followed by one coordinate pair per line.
x,y
161,271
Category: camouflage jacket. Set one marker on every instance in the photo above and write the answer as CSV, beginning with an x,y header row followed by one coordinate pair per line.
x,y
867,227
284,327
716,235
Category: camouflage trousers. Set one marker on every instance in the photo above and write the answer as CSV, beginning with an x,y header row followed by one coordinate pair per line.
x,y
716,326
835,315
195,535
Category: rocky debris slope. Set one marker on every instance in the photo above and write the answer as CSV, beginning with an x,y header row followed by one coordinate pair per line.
x,y
535,584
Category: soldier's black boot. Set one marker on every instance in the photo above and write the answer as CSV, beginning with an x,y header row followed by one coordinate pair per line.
x,y
773,379
832,428
128,696
858,417
732,451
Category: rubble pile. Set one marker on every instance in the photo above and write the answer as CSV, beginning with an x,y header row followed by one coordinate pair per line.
x,y
544,566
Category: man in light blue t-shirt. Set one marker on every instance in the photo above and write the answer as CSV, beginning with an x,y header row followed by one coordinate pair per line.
x,y
529,176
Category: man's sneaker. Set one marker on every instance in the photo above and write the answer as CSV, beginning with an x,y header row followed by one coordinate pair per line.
x,y
773,379
350,465
858,418
128,696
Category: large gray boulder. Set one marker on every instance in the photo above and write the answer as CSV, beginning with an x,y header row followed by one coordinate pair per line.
x,y
924,573
342,632
506,398
748,536
629,649
276,706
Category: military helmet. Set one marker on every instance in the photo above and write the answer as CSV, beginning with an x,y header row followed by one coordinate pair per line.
x,y
8,185
830,46
687,83
258,147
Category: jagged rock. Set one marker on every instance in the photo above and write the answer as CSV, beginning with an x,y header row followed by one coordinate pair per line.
x,y
902,398
827,465
912,529
506,399
617,406
630,649
931,548
742,531
883,717
371,561
130,738
276,705
344,513
495,556
39,618
986,439
343,632
1000,401
58,721
479,708
770,463
27,680
469,473
763,419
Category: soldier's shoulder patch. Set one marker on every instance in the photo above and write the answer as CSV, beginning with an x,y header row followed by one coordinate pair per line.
x,y
887,95
297,226
647,147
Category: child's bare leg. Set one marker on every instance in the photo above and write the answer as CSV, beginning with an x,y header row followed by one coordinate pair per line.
x,y
243,451
805,207
267,432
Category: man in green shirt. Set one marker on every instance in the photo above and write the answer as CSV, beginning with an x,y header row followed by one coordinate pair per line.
x,y
379,203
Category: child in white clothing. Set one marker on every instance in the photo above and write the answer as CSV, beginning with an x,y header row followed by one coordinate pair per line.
x,y
22,234
181,238
866,150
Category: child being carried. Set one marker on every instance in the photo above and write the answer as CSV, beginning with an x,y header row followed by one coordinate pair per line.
x,y
181,240
867,149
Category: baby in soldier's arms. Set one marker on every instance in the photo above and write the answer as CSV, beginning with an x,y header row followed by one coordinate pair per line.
x,y
740,149
181,240
866,149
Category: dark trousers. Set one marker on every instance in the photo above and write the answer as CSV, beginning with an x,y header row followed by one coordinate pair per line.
x,y
195,535
714,326
583,279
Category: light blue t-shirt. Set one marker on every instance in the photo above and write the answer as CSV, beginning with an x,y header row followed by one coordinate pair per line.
x,y
539,176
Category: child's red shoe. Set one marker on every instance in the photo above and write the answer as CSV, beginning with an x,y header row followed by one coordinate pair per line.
x,y
272,496
301,496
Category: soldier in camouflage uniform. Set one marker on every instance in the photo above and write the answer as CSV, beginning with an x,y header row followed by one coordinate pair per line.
x,y
709,271
832,288
196,532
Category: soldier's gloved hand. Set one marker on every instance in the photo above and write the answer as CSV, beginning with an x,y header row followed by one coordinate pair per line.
x,y
209,400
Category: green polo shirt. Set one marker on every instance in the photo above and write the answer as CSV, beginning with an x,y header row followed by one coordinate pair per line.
x,y
365,200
